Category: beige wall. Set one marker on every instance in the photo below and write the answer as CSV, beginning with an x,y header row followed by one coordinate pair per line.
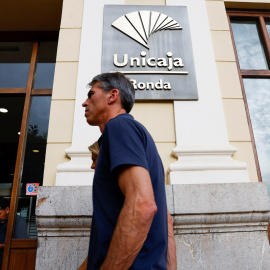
x,y
234,110
153,115
64,88
247,4
158,118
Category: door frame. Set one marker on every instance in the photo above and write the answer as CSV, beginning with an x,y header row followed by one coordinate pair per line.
x,y
29,91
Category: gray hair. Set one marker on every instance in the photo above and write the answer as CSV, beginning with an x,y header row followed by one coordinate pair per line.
x,y
117,80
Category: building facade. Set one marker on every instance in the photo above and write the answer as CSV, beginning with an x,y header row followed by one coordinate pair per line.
x,y
214,148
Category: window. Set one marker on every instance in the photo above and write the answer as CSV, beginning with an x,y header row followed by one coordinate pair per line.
x,y
250,33
26,78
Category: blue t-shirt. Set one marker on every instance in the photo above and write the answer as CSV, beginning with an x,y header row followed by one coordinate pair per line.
x,y
127,142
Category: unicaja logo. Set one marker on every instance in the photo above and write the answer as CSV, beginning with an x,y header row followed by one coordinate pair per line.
x,y
140,25
152,46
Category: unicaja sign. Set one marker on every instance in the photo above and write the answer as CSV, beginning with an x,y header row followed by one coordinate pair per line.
x,y
152,49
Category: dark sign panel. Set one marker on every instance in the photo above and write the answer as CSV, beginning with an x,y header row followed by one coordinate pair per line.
x,y
152,46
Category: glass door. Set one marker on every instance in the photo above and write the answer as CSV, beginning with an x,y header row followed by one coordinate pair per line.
x,y
26,78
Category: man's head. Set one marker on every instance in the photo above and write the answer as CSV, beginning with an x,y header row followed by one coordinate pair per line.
x,y
110,94
119,81
4,209
94,148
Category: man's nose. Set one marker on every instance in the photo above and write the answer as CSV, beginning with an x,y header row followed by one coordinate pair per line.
x,y
84,104
93,166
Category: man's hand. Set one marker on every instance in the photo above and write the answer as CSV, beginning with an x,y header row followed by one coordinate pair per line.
x,y
135,218
171,255
2,246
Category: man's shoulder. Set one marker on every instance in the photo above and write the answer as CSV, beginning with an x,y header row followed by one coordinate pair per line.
x,y
123,117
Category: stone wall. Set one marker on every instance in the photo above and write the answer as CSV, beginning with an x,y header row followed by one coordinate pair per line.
x,y
217,226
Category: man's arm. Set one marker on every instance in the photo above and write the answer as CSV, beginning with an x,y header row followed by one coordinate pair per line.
x,y
171,255
135,218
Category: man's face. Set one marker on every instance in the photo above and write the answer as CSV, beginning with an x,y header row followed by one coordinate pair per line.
x,y
95,105
4,214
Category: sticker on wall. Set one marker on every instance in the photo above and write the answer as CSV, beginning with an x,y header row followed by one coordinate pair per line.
x,y
32,188
152,46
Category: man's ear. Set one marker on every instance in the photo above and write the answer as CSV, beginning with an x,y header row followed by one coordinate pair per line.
x,y
113,96
7,209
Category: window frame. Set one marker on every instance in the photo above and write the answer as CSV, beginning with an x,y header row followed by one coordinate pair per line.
x,y
260,17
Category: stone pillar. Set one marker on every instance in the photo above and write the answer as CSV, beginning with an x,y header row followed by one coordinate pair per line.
x,y
222,226
64,217
217,226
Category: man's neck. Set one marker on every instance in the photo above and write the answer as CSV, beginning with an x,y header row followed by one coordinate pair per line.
x,y
109,117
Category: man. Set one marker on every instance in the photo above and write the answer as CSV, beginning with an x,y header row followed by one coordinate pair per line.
x,y
20,227
94,149
130,225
